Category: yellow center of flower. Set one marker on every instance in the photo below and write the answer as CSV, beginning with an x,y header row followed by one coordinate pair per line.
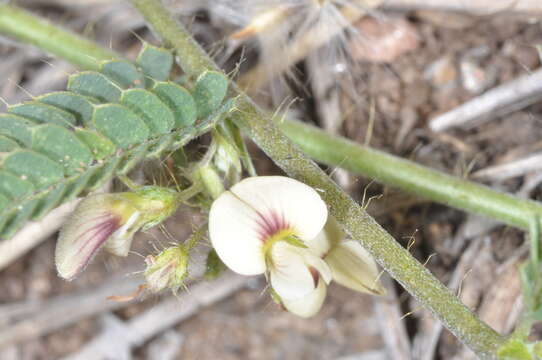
x,y
288,235
278,236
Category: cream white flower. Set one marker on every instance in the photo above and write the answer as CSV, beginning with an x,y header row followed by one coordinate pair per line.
x,y
263,225
275,226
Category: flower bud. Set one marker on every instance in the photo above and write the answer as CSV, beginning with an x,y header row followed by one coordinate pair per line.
x,y
110,221
167,270
226,158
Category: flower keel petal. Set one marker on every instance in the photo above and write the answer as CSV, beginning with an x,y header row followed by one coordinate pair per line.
x,y
294,271
308,305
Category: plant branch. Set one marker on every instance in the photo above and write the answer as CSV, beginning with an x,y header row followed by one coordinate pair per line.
x,y
30,29
411,177
392,256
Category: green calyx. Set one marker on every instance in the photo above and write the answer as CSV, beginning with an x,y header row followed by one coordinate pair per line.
x,y
155,203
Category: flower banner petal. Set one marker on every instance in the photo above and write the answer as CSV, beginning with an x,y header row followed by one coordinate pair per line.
x,y
285,202
234,232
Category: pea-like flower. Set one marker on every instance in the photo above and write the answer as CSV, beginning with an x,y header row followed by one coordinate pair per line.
x,y
262,225
274,225
109,221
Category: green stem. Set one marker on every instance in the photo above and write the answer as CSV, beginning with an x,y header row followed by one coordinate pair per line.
x,y
195,238
414,277
30,29
411,177
189,192
392,256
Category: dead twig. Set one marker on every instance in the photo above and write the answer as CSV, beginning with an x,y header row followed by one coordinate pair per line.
x,y
128,335
426,340
62,311
511,169
391,322
33,234
480,7
502,100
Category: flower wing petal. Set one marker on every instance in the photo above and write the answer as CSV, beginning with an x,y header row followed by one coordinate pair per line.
x,y
234,233
353,267
120,242
284,202
83,234
308,305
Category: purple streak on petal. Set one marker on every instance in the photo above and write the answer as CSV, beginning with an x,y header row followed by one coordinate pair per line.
x,y
270,224
94,238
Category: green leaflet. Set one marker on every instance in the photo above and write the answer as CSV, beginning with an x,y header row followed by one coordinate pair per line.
x,y
34,167
62,146
156,63
179,100
95,85
7,144
157,116
79,106
99,145
120,124
123,73
209,92
17,128
43,113
66,143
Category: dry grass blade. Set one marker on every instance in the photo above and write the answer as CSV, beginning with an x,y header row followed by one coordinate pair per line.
x,y
33,234
482,7
65,310
392,325
499,101
511,169
158,318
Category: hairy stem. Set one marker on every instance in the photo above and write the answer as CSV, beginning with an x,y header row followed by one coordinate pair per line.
x,y
75,49
411,177
392,256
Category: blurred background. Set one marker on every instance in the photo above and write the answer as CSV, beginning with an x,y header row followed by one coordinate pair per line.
x,y
390,74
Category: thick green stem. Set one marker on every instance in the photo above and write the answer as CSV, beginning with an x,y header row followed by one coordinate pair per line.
x,y
411,177
75,49
392,256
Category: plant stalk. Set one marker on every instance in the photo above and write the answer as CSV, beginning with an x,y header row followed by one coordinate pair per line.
x,y
393,257
30,29
411,177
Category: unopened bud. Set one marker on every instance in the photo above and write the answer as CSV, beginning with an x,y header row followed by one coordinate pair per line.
x,y
110,221
167,270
